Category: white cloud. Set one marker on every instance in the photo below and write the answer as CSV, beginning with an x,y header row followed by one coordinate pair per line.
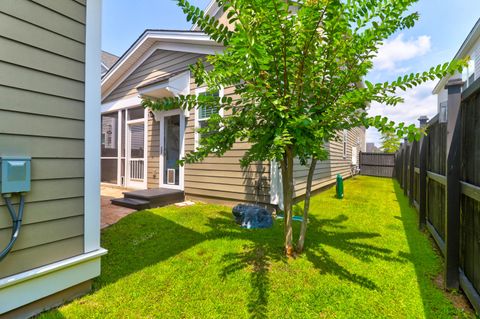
x,y
398,50
418,101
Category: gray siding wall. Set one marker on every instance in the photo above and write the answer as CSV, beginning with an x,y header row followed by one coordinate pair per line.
x,y
215,179
222,179
326,171
42,55
161,64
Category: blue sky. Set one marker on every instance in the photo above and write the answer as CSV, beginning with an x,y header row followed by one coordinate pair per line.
x,y
443,26
125,20
436,38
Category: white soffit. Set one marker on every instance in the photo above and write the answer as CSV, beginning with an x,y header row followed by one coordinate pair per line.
x,y
174,86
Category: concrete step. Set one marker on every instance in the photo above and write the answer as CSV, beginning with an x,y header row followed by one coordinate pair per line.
x,y
132,203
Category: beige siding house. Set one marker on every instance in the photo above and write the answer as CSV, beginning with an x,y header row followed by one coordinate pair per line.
x,y
50,92
140,148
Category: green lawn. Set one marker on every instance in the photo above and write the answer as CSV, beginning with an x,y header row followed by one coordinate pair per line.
x,y
365,258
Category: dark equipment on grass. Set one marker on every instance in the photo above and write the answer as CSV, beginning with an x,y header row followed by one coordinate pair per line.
x,y
252,217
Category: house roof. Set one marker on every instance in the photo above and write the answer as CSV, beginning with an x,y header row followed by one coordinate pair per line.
x,y
150,41
462,53
109,59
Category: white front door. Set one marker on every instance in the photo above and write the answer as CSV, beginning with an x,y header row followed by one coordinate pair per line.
x,y
136,156
172,130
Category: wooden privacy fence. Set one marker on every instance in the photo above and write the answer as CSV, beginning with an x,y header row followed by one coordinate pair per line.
x,y
377,164
442,180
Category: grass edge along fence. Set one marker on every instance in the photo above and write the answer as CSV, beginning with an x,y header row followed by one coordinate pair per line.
x,y
441,177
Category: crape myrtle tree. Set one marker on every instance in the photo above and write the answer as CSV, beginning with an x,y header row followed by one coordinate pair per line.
x,y
390,142
297,69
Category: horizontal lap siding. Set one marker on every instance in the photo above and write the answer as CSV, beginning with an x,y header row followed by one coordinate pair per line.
x,y
326,171
24,32
42,76
214,178
343,165
159,65
222,179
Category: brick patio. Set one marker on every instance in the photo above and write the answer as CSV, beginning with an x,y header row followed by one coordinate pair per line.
x,y
111,214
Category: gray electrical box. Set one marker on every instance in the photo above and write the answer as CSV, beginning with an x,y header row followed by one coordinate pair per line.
x,y
15,174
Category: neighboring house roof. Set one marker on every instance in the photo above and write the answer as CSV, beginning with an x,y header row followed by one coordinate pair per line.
x,y
109,59
150,41
462,53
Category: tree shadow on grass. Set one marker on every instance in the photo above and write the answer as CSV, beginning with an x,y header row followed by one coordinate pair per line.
x,y
257,260
146,238
347,243
141,240
264,250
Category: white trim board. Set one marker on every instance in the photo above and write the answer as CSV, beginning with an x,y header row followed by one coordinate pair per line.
x,y
92,128
30,286
121,104
177,85
167,36
149,42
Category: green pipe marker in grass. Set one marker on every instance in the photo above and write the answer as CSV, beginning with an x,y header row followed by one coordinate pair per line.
x,y
339,186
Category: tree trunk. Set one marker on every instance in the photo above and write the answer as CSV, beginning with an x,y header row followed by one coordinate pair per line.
x,y
287,181
306,207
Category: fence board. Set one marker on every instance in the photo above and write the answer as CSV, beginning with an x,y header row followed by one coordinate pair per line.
x,y
436,169
470,205
377,164
416,172
436,206
433,189
471,191
437,148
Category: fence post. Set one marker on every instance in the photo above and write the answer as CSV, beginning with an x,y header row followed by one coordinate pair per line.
x,y
452,220
422,214
411,173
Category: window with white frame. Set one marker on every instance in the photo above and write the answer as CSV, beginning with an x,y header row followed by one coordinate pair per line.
x,y
203,114
345,140
443,113
109,150
468,74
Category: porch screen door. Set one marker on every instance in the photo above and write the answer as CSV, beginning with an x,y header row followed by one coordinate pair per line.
x,y
136,155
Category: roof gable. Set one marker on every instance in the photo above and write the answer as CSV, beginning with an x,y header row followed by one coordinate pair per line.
x,y
151,41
